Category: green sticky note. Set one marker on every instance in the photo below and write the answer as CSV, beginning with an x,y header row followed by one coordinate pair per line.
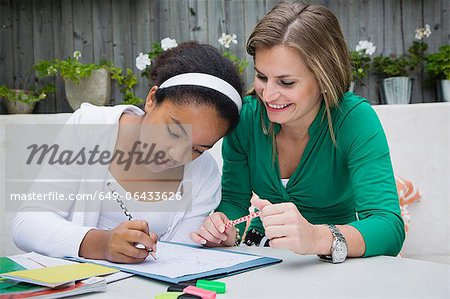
x,y
168,295
215,286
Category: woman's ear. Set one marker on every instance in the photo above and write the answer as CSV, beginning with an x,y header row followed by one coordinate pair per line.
x,y
150,100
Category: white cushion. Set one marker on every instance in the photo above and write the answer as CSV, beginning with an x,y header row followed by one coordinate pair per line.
x,y
418,137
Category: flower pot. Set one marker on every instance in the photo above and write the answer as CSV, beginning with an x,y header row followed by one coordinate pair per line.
x,y
397,90
95,89
17,107
443,90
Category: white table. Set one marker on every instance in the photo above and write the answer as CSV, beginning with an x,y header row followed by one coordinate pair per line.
x,y
308,277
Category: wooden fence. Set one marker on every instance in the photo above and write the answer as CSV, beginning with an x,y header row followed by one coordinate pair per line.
x,y
117,30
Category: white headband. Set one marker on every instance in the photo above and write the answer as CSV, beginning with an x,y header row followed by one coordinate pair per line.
x,y
205,80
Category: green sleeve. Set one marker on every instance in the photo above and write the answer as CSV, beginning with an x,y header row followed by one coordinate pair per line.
x,y
371,175
236,187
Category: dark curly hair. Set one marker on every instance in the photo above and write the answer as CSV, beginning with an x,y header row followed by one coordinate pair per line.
x,y
193,57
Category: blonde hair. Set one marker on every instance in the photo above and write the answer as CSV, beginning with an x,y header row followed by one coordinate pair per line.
x,y
315,32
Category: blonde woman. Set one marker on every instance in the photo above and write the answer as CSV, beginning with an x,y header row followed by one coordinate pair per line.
x,y
315,153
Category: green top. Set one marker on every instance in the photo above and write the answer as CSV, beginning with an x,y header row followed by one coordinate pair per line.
x,y
351,182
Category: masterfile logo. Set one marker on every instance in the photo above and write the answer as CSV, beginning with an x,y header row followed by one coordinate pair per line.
x,y
58,165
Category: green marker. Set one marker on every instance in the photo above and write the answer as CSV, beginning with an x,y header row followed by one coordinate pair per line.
x,y
215,286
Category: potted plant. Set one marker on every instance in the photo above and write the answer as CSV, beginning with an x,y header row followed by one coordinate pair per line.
x,y
396,88
360,59
89,82
20,101
438,67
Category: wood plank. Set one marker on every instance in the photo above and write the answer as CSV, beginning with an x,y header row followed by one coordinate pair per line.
x,y
370,28
141,34
102,29
155,22
393,42
198,20
102,39
270,4
234,16
253,12
216,22
6,47
436,14
22,30
43,48
445,21
412,18
123,56
82,29
166,29
185,33
174,20
62,46
119,30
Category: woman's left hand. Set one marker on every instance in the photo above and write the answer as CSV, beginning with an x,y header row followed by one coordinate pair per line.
x,y
285,226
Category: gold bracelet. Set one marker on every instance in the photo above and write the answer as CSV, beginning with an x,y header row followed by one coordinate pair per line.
x,y
238,238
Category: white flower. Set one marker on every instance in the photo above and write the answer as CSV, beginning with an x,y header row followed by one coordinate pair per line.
x,y
227,39
366,47
51,70
142,61
168,43
421,33
77,55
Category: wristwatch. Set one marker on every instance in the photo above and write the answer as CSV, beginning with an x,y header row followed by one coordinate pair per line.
x,y
338,248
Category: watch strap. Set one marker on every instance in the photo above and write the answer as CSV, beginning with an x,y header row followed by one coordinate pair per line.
x,y
337,236
336,232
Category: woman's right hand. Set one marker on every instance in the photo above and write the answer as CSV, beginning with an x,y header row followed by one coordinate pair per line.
x,y
119,244
213,233
123,239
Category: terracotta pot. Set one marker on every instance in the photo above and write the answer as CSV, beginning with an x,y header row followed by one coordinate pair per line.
x,y
95,89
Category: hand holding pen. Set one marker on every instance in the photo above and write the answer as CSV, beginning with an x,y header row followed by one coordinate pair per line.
x,y
122,245
139,235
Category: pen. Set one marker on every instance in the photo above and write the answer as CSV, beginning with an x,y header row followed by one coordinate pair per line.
x,y
130,217
242,219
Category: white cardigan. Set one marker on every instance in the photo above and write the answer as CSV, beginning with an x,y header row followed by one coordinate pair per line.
x,y
59,232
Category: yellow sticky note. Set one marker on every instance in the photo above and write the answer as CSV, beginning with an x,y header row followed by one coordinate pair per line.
x,y
59,275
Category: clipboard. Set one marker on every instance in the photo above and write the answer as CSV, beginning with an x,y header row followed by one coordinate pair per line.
x,y
236,262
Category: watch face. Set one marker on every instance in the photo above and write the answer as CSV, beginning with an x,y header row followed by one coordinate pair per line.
x,y
339,253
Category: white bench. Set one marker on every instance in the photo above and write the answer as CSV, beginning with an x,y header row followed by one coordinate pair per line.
x,y
418,135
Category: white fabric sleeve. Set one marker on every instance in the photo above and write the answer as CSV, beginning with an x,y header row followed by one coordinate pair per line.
x,y
48,233
206,197
45,227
